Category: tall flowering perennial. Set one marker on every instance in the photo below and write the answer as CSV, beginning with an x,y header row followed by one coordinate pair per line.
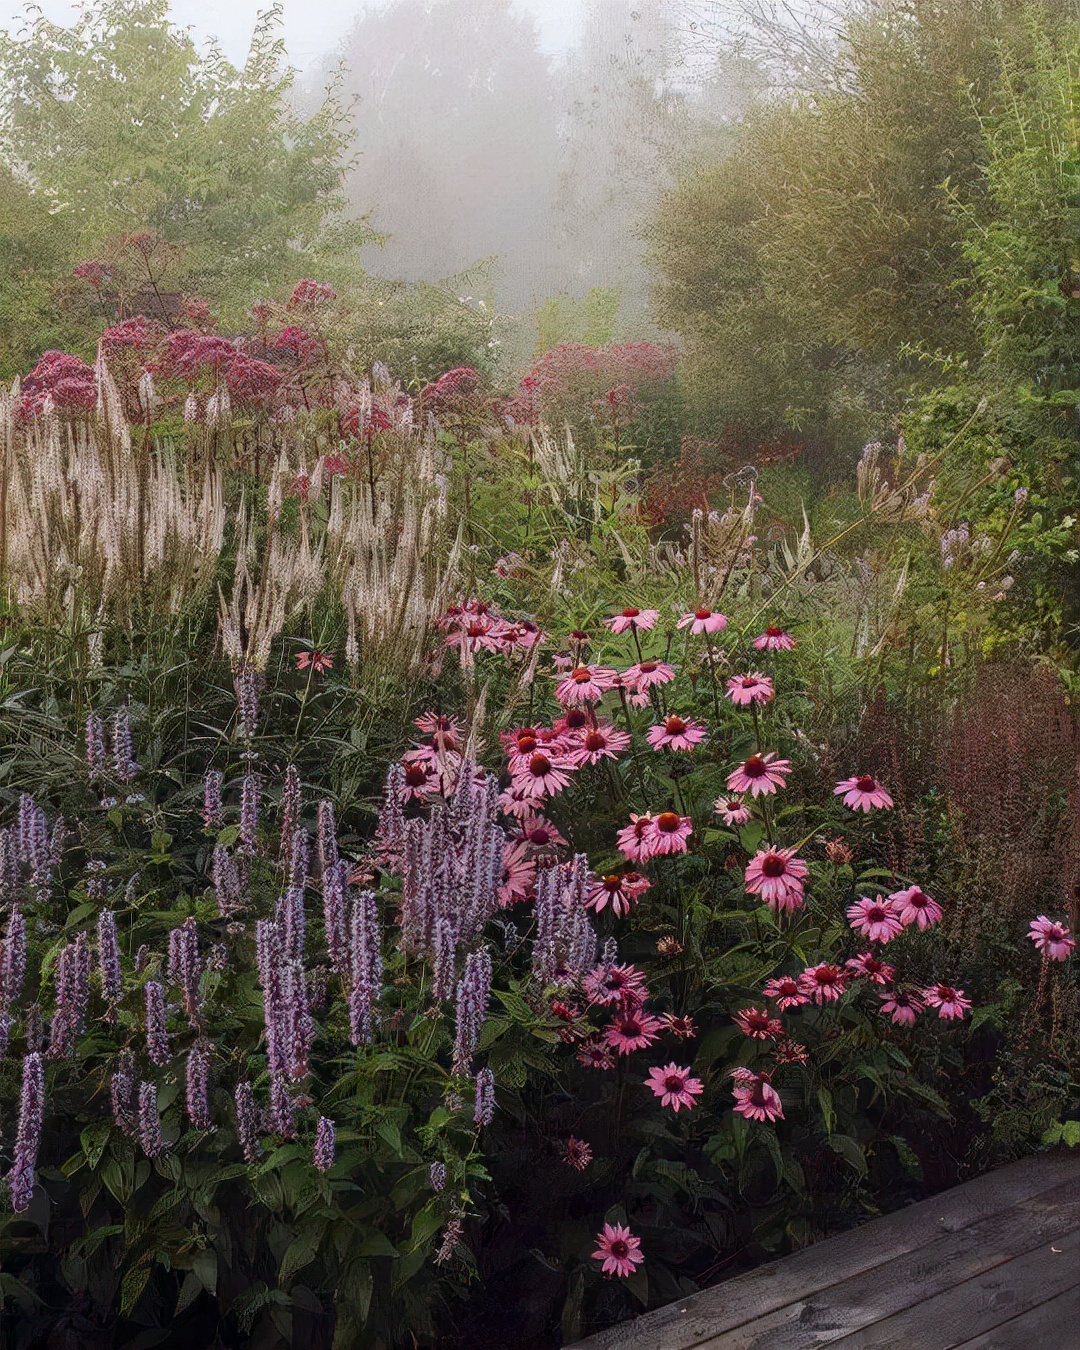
x,y
185,967
197,1086
149,1121
470,1008
20,1179
112,980
365,967
72,997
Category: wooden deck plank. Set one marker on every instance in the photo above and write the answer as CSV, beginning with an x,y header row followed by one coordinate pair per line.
x,y
1053,1325
833,1314
978,1306
691,1321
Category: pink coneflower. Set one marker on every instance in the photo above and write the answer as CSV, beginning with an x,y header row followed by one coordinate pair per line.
x,y
1051,938
584,684
875,919
648,675
785,992
445,732
680,1025
755,1096
703,620
675,733
915,906
320,662
674,1086
824,983
609,983
863,792
731,811
418,781
760,775
631,619
949,1002
788,1051
519,874
620,891
668,833
541,776
634,840
867,966
758,1025
778,877
619,1250
539,833
513,802
577,1154
594,1054
753,688
901,1008
774,640
631,1029
669,945
600,742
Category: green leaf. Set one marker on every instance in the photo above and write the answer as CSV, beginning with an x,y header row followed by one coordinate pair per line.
x,y
93,1140
190,1290
134,1282
849,1150
205,1265
300,1252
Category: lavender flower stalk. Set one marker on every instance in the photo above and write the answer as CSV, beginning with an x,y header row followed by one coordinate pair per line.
x,y
112,982
72,997
157,1036
282,1108
10,864
366,967
212,805
185,968
228,884
484,1108
34,845
473,992
250,789
247,1122
247,683
28,1138
333,883
437,1176
451,1237
13,958
122,1094
150,1121
95,747
299,860
197,1085
290,918
123,751
291,806
325,1149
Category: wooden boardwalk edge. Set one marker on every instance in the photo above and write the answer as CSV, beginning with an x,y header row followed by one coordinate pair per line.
x,y
1037,1187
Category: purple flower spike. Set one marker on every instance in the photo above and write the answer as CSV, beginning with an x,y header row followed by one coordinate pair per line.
x,y
324,1151
31,1113
150,1121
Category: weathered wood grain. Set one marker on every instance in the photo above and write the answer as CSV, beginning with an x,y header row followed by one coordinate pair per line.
x,y
978,1306
830,1316
1054,1325
693,1321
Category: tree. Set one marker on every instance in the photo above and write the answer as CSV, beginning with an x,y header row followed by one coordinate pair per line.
x,y
812,268
120,124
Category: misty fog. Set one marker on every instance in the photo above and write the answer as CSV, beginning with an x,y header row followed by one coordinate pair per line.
x,y
531,173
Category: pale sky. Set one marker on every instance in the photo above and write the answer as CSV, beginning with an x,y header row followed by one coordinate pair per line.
x,y
311,28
